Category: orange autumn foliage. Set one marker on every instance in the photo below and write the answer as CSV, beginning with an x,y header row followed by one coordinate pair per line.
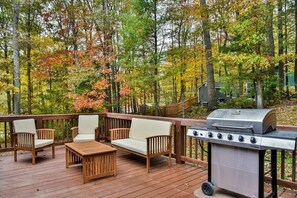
x,y
90,100
85,103
51,62
125,90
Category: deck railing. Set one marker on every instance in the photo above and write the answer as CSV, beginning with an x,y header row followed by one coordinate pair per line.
x,y
173,110
185,149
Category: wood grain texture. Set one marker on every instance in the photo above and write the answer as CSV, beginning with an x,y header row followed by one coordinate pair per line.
x,y
50,178
98,160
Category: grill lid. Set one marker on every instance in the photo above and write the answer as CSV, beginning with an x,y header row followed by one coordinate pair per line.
x,y
258,121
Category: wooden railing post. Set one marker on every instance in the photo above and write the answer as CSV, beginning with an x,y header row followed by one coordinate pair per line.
x,y
38,122
294,165
179,142
11,135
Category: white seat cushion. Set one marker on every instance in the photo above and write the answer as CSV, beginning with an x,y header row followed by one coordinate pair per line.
x,y
84,137
131,144
43,142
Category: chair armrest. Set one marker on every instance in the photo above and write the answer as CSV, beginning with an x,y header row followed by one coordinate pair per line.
x,y
158,144
24,139
45,134
73,128
119,133
74,132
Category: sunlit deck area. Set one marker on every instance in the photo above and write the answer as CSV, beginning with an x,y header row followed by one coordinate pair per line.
x,y
50,178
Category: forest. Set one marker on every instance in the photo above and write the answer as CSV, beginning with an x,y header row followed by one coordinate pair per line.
x,y
64,56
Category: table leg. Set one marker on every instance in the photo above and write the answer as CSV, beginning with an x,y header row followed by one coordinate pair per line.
x,y
84,170
115,163
67,158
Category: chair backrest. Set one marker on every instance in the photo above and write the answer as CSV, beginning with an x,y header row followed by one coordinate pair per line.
x,y
87,124
26,125
143,128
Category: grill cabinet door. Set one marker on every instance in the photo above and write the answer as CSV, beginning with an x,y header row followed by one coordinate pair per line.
x,y
235,169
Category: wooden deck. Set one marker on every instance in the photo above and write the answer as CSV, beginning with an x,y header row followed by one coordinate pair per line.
x,y
50,178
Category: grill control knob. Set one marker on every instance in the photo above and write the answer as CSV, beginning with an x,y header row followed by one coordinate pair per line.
x,y
253,140
220,136
195,133
210,134
230,137
240,138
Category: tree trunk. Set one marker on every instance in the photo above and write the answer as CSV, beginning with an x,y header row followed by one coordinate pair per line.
x,y
259,94
240,81
183,86
270,39
119,109
183,67
156,73
202,72
295,67
286,52
174,90
182,96
115,69
144,102
259,81
30,88
202,64
134,102
212,102
174,85
195,69
114,89
126,104
16,58
29,29
196,76
72,22
280,44
107,52
8,94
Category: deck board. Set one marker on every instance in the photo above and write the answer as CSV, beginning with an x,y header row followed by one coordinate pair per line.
x,y
50,178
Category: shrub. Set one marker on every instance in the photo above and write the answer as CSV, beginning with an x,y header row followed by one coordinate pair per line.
x,y
272,98
240,103
199,111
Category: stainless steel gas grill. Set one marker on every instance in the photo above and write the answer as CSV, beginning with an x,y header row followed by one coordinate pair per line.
x,y
237,142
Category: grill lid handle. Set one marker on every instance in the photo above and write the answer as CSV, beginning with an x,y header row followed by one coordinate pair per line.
x,y
217,125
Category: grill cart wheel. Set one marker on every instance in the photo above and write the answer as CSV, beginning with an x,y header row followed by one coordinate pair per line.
x,y
207,188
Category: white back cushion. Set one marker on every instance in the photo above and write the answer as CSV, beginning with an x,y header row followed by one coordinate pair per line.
x,y
87,124
27,125
143,128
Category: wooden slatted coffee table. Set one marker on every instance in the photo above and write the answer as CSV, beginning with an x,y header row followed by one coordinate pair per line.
x,y
98,160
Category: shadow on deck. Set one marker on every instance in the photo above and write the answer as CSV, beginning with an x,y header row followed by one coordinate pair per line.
x,y
50,178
